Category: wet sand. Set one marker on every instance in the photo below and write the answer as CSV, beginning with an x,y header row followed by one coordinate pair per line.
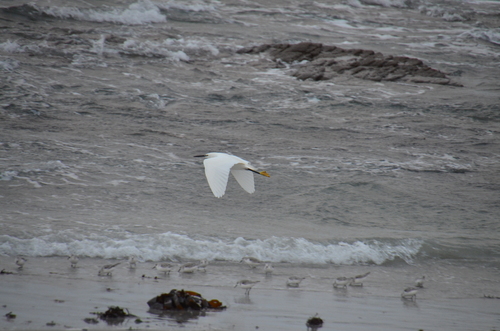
x,y
48,290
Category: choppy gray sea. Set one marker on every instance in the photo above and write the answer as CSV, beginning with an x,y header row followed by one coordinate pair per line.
x,y
103,105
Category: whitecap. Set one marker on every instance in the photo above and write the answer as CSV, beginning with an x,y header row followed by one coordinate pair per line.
x,y
141,12
386,3
10,47
8,175
194,6
9,64
156,247
153,49
492,36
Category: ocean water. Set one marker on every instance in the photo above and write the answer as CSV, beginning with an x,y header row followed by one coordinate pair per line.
x,y
103,105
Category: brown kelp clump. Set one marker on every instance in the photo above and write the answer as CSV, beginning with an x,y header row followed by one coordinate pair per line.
x,y
113,316
183,300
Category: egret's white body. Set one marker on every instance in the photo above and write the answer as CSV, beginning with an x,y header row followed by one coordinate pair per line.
x,y
218,166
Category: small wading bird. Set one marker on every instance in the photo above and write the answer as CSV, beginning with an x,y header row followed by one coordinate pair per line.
x,y
189,268
202,266
218,166
107,269
251,261
358,280
268,268
73,259
163,267
294,281
409,293
342,282
132,262
20,261
246,284
419,282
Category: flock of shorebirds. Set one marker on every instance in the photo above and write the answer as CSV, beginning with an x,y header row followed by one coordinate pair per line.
x,y
409,293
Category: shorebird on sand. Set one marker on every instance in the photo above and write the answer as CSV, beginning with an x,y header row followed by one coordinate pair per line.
x,y
246,284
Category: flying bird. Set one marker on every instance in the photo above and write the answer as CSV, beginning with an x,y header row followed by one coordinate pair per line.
x,y
218,166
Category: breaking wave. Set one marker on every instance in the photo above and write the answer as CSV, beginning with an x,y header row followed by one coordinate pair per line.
x,y
155,247
141,12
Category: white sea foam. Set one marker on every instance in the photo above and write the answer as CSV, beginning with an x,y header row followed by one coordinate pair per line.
x,y
192,46
152,49
156,247
9,64
194,6
10,47
141,12
8,175
437,11
176,49
491,35
386,3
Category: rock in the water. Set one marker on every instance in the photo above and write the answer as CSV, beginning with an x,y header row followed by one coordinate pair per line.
x,y
320,62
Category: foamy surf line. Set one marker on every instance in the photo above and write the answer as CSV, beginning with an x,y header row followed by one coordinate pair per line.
x,y
156,247
142,12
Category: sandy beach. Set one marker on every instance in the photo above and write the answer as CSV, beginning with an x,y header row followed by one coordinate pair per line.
x,y
48,290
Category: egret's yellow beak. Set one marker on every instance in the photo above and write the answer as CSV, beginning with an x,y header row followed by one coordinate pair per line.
x,y
263,173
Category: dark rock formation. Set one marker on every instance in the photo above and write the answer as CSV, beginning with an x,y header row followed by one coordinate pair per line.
x,y
323,62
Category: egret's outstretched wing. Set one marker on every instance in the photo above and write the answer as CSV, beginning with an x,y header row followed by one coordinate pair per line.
x,y
217,172
244,178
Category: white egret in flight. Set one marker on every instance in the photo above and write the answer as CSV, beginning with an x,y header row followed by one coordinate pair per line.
x,y
218,166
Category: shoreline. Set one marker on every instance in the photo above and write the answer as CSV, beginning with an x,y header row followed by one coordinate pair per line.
x,y
49,291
